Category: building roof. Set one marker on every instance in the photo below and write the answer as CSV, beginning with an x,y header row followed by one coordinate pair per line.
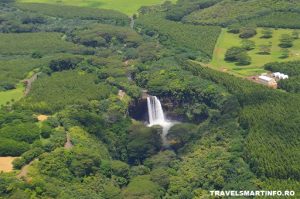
x,y
265,78
280,75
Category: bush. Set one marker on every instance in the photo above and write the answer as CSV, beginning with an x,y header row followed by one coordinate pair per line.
x,y
285,53
238,55
64,63
267,33
247,32
264,50
286,41
248,44
46,131
234,28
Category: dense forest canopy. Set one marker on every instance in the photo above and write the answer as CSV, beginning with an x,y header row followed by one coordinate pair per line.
x,y
79,128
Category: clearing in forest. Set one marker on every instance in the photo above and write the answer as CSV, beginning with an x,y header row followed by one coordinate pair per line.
x,y
6,164
227,40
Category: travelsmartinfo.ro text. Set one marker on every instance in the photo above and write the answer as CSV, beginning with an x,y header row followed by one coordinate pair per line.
x,y
252,193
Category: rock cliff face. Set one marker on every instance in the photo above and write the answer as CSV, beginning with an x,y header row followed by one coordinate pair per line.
x,y
138,109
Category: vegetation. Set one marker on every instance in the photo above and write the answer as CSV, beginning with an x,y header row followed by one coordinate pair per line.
x,y
290,68
228,12
71,87
128,8
264,51
67,11
80,131
45,43
238,55
196,38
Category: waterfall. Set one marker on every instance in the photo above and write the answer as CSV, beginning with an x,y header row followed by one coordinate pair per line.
x,y
155,111
157,117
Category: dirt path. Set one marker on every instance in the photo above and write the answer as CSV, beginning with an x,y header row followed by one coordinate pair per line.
x,y
24,170
131,22
68,143
29,82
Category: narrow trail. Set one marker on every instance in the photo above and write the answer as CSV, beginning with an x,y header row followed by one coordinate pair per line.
x,y
29,82
24,170
131,22
68,144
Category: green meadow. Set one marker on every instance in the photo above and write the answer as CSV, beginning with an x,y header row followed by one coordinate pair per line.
x,y
128,7
227,40
15,94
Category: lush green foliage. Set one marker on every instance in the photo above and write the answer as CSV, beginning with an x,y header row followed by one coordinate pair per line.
x,y
266,50
184,7
53,92
14,70
238,55
105,35
196,38
45,43
285,19
271,124
290,68
63,11
231,11
142,143
232,134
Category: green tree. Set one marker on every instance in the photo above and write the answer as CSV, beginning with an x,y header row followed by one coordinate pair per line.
x,y
286,41
142,143
247,32
264,50
181,134
248,44
266,33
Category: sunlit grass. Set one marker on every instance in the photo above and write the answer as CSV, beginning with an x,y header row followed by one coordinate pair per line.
x,y
128,7
227,40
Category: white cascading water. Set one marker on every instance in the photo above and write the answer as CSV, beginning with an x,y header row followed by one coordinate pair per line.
x,y
157,117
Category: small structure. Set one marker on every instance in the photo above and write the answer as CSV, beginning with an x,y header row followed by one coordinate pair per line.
x,y
268,81
280,76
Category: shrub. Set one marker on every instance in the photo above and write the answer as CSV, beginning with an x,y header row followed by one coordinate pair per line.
x,y
64,63
267,33
247,32
248,44
286,41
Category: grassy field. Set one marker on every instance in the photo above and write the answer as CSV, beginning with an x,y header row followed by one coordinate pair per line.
x,y
15,94
128,7
227,40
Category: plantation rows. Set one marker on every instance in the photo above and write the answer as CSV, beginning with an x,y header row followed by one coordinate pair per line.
x,y
70,12
196,38
229,12
272,124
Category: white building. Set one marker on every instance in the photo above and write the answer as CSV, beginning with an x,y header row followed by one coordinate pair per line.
x,y
269,81
280,76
